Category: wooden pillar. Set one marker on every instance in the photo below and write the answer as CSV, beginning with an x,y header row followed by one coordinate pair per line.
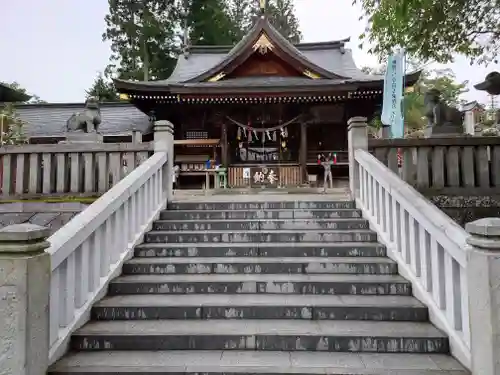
x,y
224,145
303,151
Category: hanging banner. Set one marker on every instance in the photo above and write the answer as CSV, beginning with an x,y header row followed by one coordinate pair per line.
x,y
392,107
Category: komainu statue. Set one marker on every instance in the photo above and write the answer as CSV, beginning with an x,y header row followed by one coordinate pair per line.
x,y
87,121
441,118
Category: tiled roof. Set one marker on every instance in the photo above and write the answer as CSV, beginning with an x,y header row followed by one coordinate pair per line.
x,y
471,105
331,60
335,60
50,119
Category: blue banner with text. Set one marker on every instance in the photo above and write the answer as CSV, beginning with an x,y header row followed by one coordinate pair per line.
x,y
392,106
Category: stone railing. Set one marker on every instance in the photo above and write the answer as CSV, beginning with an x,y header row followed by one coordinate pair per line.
x,y
67,169
48,285
91,248
452,165
448,268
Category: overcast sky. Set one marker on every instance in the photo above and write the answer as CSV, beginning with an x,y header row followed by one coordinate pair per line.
x,y
54,47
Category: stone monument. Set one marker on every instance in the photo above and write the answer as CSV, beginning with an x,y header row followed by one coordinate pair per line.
x,y
83,127
442,120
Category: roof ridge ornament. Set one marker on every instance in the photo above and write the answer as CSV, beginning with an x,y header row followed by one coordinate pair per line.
x,y
263,44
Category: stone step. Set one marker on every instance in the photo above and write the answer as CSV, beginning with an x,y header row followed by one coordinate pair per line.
x,y
291,249
254,205
248,362
262,214
260,306
360,235
293,335
257,224
263,265
261,283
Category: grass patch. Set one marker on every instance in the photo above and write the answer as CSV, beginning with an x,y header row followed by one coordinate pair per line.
x,y
86,200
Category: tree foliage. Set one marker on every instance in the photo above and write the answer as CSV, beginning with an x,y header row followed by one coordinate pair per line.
x,y
11,126
16,86
241,13
146,35
443,80
143,39
102,89
434,29
209,23
283,18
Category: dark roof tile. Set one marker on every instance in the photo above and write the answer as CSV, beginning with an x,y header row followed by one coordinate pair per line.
x,y
50,119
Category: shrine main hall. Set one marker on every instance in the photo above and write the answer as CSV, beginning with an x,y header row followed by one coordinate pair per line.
x,y
261,105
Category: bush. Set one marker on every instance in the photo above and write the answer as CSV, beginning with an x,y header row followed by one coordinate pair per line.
x,y
11,127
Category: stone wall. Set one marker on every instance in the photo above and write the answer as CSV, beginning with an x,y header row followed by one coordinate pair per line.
x,y
467,208
51,215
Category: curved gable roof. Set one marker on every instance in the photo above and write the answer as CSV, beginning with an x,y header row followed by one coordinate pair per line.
x,y
243,50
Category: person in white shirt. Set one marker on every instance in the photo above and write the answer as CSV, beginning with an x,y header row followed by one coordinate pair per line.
x,y
175,177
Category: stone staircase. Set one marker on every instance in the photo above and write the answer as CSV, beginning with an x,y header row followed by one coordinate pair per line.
x,y
259,287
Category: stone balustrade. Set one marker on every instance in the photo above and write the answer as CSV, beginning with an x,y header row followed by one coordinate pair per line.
x,y
90,250
443,165
85,169
48,285
453,274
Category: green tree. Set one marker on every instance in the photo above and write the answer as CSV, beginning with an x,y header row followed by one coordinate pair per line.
x,y
434,30
443,80
209,23
283,18
281,15
16,86
143,39
11,126
240,12
102,89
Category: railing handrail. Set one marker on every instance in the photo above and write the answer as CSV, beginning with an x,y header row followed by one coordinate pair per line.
x,y
434,141
63,242
75,148
435,221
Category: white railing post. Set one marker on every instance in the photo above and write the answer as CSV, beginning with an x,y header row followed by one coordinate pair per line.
x,y
164,142
357,136
483,274
24,299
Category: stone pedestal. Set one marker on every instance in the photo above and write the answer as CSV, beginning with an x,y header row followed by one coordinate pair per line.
x,y
164,142
483,275
357,138
24,300
444,131
81,137
384,132
136,136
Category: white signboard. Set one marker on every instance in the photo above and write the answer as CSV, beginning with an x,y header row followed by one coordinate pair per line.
x,y
246,173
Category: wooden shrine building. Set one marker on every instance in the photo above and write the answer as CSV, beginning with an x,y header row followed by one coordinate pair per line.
x,y
263,104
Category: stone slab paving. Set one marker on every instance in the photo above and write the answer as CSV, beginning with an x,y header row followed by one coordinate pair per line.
x,y
205,362
51,215
260,306
340,194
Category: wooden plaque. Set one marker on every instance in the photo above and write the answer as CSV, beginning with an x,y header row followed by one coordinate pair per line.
x,y
264,176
